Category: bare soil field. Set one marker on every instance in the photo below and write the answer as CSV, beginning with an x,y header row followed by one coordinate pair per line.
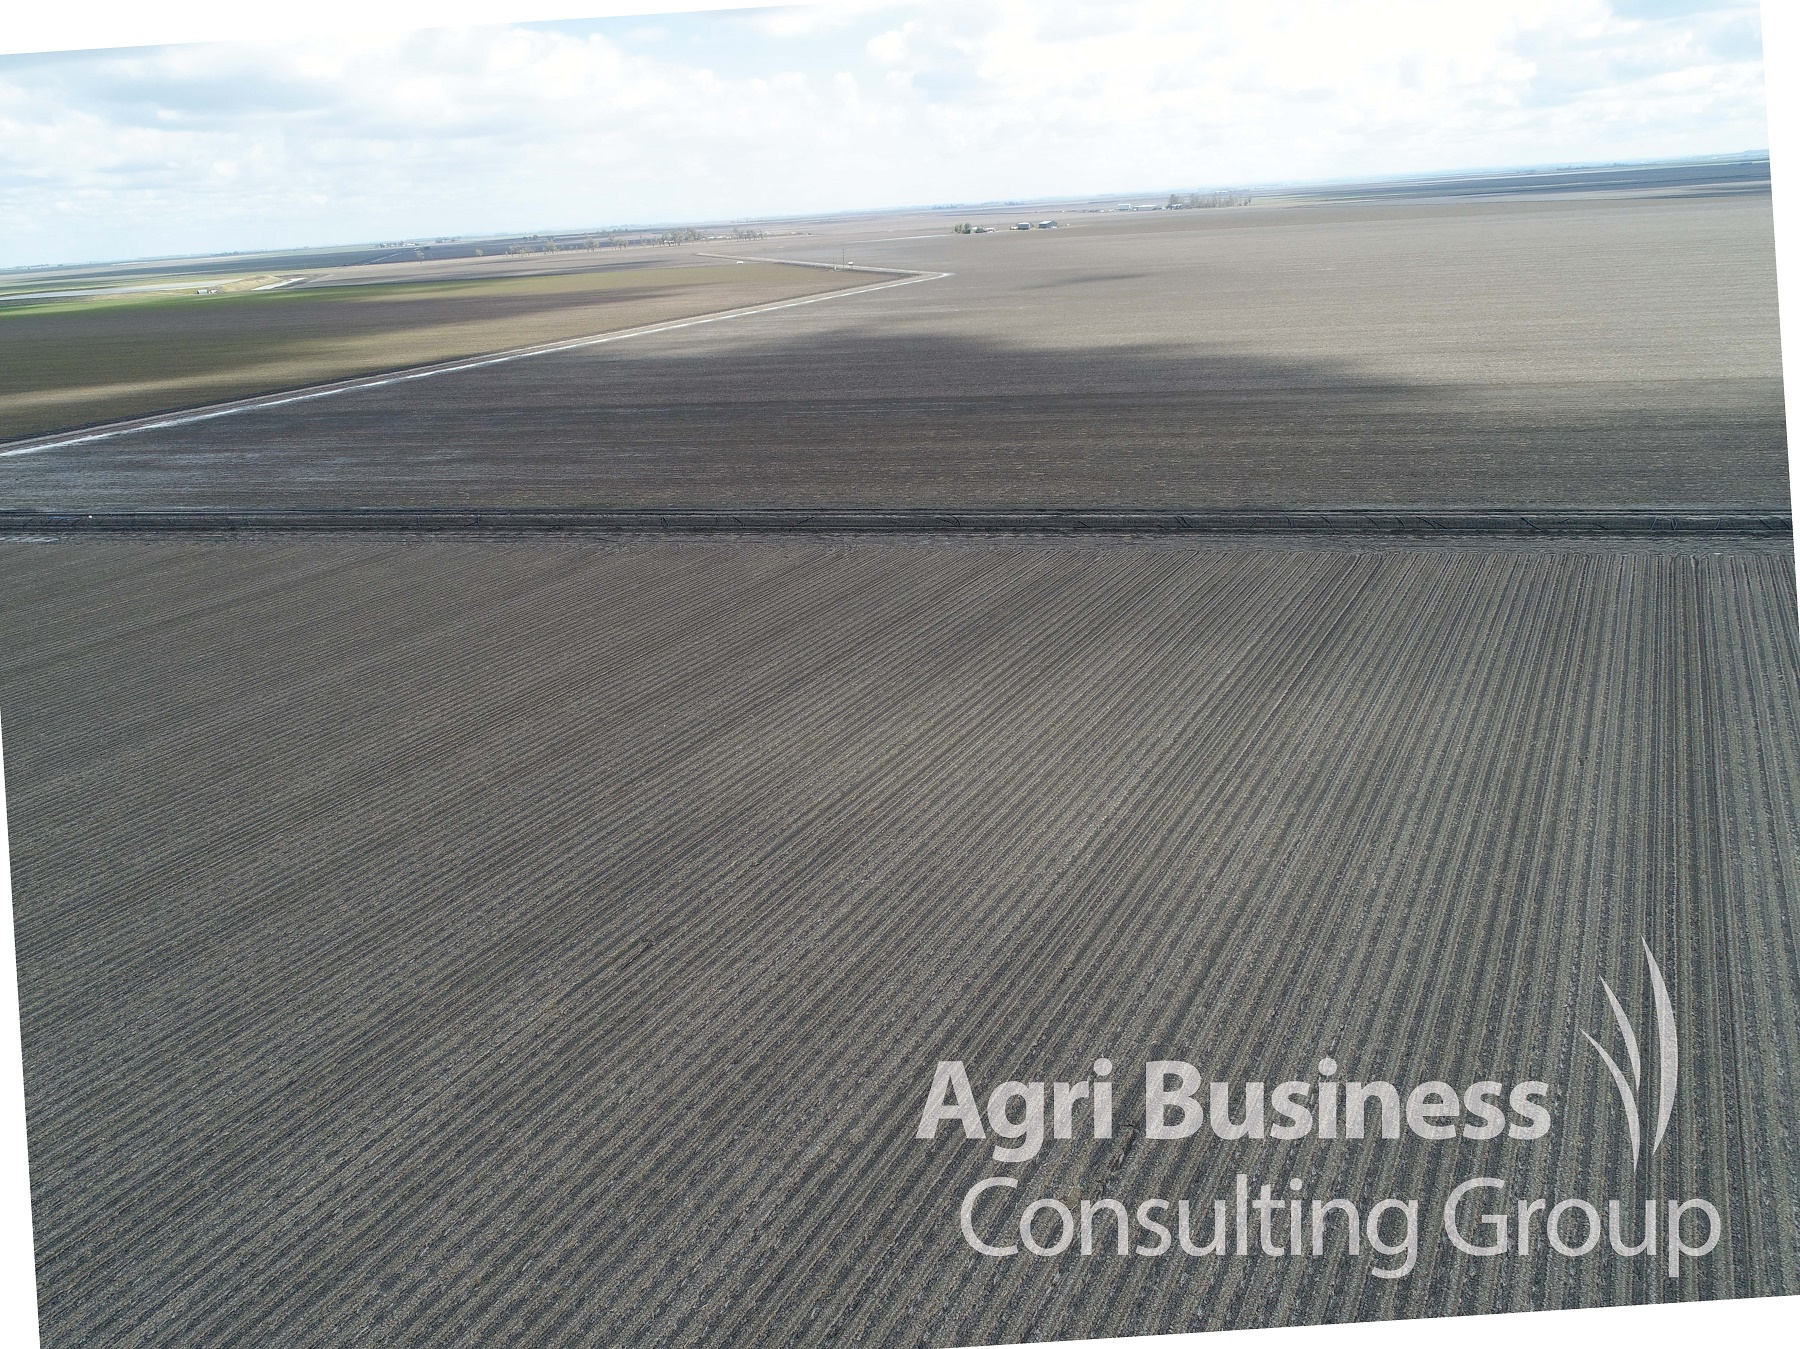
x,y
551,944
72,361
1588,350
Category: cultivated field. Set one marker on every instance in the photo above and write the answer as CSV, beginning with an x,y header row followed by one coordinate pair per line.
x,y
72,361
1598,349
551,944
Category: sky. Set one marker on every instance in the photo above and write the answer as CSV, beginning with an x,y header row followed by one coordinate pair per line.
x,y
341,138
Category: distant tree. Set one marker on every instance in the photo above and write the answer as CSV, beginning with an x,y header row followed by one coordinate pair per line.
x,y
1199,201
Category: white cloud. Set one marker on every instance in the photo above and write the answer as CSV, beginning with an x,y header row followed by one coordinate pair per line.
x,y
464,131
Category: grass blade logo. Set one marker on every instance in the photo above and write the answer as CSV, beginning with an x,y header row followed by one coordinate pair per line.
x,y
1667,1065
1004,1216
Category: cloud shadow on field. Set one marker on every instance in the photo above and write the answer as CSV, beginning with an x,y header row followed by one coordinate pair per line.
x,y
858,417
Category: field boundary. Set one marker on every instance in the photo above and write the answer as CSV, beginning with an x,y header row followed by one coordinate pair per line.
x,y
162,421
531,521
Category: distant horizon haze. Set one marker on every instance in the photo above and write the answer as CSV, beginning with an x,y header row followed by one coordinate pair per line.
x,y
1272,192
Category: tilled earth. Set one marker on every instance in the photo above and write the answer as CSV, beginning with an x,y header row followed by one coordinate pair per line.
x,y
1596,350
552,943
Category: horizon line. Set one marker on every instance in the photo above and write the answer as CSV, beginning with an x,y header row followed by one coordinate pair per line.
x,y
1272,185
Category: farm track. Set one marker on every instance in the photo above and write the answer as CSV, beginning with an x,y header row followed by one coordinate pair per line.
x,y
82,379
488,942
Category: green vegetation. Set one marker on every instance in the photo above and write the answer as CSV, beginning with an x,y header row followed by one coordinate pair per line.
x,y
88,296
77,360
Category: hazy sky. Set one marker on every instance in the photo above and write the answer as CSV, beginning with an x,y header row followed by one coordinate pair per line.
x,y
861,103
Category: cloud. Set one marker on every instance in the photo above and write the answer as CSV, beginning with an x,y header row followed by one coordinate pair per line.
x,y
187,149
1677,9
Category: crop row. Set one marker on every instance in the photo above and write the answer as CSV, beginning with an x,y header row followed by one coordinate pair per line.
x,y
501,943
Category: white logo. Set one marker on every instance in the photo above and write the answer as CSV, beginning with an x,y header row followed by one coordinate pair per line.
x,y
1666,1060
1003,1216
